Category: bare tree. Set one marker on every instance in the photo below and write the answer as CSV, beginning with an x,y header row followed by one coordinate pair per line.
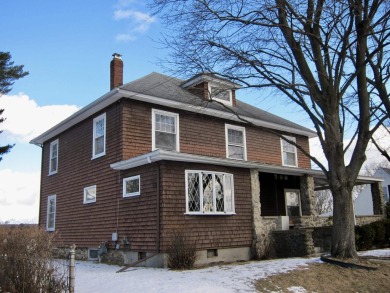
x,y
324,201
331,58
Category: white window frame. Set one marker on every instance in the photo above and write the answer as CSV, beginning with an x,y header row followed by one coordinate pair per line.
x,y
52,144
53,214
86,189
125,180
165,113
299,200
238,128
295,150
214,212
230,102
95,121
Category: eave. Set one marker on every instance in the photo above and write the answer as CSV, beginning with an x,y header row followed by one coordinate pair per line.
x,y
162,155
119,93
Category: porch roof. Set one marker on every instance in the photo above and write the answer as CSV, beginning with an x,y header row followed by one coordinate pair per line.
x,y
163,155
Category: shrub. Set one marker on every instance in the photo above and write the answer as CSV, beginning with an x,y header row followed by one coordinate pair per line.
x,y
181,252
387,210
364,237
26,262
380,233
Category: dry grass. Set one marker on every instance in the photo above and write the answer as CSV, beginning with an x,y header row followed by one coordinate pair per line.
x,y
327,278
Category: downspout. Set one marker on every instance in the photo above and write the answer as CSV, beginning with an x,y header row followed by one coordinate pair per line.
x,y
158,206
40,190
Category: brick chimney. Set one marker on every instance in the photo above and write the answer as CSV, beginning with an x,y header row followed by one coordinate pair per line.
x,y
116,71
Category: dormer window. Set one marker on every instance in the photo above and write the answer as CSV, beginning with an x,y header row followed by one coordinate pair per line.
x,y
220,94
211,87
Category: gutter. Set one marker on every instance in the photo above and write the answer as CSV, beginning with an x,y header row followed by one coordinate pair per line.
x,y
118,93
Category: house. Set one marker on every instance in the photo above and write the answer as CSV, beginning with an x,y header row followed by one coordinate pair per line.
x,y
160,154
363,203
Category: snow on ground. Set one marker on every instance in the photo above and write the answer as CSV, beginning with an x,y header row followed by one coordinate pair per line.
x,y
241,277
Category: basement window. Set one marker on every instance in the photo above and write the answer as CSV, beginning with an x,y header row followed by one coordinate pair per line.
x,y
212,253
93,254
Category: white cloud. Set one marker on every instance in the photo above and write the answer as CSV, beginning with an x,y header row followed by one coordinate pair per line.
x,y
25,119
19,198
373,156
137,21
125,37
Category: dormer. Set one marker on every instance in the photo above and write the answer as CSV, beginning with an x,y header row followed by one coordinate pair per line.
x,y
211,87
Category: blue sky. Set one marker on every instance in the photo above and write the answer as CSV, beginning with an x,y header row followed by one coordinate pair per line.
x,y
67,46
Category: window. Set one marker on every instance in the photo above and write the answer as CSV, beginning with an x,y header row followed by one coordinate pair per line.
x,y
289,152
235,142
53,163
51,213
165,130
221,94
293,203
209,192
99,136
90,194
131,186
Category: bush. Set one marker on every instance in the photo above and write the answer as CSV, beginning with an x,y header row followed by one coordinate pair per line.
x,y
26,262
364,237
380,233
387,210
181,252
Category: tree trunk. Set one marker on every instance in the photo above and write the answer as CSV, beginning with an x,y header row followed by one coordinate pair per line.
x,y
343,232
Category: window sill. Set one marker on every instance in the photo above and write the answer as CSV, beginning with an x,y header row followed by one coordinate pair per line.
x,y
293,166
98,156
236,159
52,173
209,214
131,195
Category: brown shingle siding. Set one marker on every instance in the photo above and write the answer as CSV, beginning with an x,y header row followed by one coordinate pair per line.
x,y
209,231
200,135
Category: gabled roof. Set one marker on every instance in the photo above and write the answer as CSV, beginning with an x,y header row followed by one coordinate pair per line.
x,y
387,170
167,91
170,88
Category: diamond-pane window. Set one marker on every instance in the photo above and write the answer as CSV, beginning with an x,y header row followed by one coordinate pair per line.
x,y
193,192
209,192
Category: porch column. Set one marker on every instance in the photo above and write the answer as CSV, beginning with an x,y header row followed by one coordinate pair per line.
x,y
260,232
307,196
378,201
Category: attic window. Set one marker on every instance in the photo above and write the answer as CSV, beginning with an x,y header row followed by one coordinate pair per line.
x,y
220,94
